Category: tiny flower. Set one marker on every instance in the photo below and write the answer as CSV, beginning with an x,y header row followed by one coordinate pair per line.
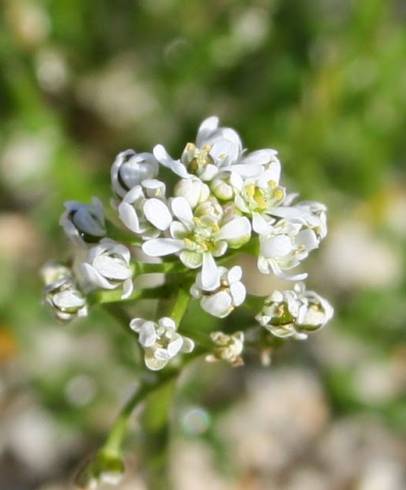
x,y
143,209
161,341
284,247
198,239
61,293
258,197
227,348
312,214
105,468
130,169
216,149
84,222
222,300
193,190
107,266
294,313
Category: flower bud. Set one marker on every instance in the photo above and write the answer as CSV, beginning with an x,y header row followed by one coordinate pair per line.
x,y
105,468
227,348
193,190
61,293
130,169
294,313
84,222
210,208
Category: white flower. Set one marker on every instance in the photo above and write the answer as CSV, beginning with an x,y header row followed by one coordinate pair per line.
x,y
228,348
312,214
284,247
193,190
61,293
294,313
198,239
143,209
258,197
107,266
222,300
130,169
216,149
83,222
160,341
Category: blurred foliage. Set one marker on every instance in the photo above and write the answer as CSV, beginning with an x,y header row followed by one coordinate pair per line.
x,y
322,81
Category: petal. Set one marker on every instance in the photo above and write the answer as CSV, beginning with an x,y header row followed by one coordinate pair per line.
x,y
175,346
235,231
188,345
167,161
94,278
129,217
308,239
128,288
238,293
147,334
210,275
154,364
192,260
158,247
157,213
206,128
112,268
69,299
182,210
218,305
259,224
261,157
234,274
276,246
136,324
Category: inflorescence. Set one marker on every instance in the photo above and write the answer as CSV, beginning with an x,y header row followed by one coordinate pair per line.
x,y
225,201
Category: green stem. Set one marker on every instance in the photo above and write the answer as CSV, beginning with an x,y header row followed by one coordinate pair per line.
x,y
180,306
114,441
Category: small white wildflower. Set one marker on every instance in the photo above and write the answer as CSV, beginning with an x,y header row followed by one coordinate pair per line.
x,y
130,169
258,197
216,149
107,266
161,341
84,222
311,214
284,247
193,190
294,313
61,293
222,300
198,239
227,348
143,209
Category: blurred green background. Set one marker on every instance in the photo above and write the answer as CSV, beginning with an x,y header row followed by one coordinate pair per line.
x,y
322,81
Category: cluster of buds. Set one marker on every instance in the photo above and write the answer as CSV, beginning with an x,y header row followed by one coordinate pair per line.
x,y
224,200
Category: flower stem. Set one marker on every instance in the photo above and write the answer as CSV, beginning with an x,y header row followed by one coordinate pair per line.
x,y
180,306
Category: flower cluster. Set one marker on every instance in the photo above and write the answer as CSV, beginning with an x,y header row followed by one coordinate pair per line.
x,y
224,200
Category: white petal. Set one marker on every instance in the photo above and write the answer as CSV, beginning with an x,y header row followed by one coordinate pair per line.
x,y
68,299
210,276
154,364
112,268
182,210
218,304
260,157
167,322
167,161
188,345
129,217
175,346
308,239
234,274
136,324
259,224
206,128
147,334
94,277
238,293
235,230
128,288
276,246
158,247
157,213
